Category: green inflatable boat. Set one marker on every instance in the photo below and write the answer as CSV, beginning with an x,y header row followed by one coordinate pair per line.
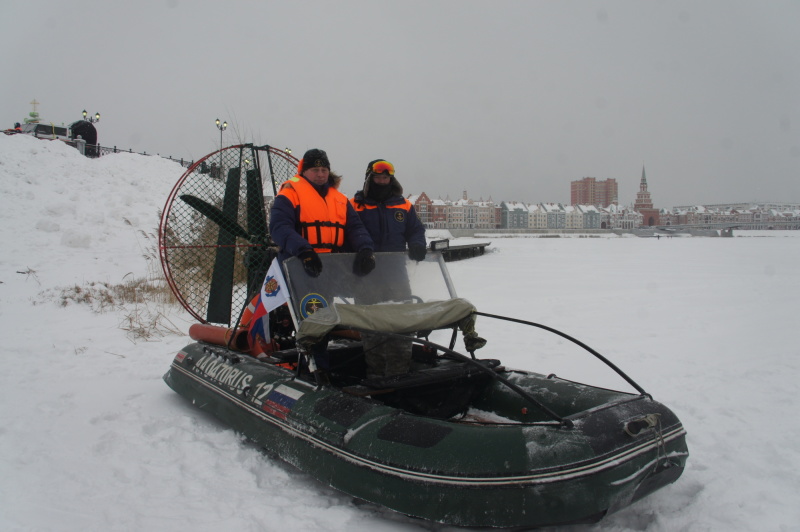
x,y
458,439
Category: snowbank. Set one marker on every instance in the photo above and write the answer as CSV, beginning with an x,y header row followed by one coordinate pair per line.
x,y
92,439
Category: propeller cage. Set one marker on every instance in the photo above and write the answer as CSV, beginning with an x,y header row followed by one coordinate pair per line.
x,y
213,239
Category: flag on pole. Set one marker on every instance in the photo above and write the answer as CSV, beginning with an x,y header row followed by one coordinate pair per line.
x,y
271,296
273,289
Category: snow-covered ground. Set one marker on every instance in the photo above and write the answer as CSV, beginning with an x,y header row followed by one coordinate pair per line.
x,y
92,439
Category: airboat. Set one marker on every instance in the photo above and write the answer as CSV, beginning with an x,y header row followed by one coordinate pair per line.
x,y
459,439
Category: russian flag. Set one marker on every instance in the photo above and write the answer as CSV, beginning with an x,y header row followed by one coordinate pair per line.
x,y
258,329
281,400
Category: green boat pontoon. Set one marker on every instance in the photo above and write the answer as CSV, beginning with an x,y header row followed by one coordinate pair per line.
x,y
458,439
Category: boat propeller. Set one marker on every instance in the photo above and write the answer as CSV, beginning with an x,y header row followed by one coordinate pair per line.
x,y
214,243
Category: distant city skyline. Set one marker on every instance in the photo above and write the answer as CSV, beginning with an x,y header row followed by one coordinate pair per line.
x,y
469,214
629,204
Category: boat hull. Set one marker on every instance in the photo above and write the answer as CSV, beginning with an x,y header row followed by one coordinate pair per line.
x,y
524,471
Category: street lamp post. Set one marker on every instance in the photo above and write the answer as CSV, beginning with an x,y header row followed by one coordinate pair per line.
x,y
222,127
91,119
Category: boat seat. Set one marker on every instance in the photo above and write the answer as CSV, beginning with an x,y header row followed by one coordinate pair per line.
x,y
285,355
445,373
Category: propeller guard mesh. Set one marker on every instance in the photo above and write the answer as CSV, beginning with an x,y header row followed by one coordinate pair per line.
x,y
213,236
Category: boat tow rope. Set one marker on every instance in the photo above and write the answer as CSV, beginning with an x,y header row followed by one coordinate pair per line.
x,y
650,421
661,446
573,340
636,426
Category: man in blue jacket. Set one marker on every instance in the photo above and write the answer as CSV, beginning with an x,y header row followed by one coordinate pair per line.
x,y
390,219
310,216
393,225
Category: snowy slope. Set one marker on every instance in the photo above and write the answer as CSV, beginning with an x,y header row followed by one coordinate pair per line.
x,y
92,439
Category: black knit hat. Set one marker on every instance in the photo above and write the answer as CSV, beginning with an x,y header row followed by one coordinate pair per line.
x,y
314,158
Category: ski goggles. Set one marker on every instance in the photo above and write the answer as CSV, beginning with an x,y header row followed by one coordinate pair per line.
x,y
382,166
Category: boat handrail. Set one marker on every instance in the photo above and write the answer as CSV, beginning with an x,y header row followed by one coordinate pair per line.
x,y
573,340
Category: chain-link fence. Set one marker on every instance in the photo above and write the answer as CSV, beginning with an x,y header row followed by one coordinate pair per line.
x,y
213,238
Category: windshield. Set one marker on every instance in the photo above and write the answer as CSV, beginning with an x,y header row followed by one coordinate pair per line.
x,y
395,279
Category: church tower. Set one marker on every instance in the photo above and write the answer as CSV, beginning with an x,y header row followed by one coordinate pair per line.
x,y
643,200
644,205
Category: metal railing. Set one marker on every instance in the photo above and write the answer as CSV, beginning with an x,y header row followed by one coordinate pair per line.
x,y
98,151
95,150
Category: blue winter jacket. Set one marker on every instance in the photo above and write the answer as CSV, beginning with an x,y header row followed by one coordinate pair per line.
x,y
391,223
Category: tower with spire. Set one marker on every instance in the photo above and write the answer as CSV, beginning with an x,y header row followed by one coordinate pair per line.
x,y
644,204
643,200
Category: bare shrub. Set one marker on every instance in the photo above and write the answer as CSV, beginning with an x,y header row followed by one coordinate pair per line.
x,y
144,303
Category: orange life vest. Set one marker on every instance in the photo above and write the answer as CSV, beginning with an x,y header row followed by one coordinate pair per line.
x,y
361,206
321,221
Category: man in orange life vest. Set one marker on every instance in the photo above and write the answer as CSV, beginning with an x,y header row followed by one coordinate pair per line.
x,y
311,216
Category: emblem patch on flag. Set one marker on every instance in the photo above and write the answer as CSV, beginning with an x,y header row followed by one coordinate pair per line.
x,y
271,286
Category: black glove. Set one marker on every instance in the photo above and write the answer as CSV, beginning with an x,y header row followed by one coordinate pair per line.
x,y
311,263
417,252
364,263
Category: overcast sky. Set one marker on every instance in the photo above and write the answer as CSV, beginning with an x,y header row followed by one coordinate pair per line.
x,y
508,99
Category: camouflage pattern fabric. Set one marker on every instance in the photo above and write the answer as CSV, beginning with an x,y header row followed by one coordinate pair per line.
x,y
385,356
